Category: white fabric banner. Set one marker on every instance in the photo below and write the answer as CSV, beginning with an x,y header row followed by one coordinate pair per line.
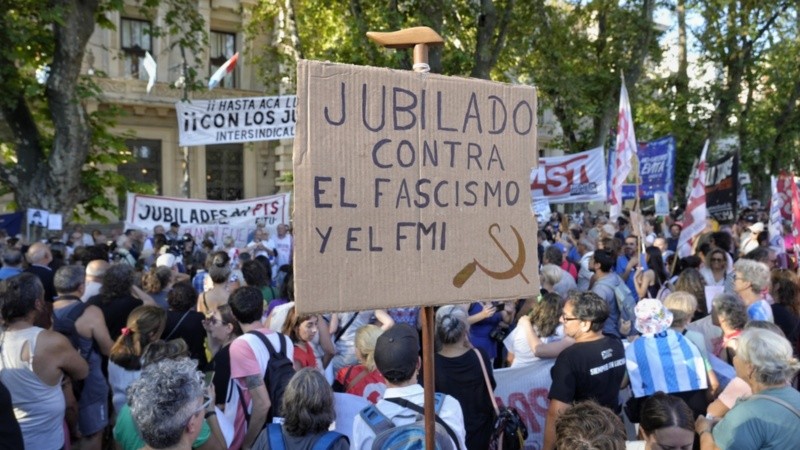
x,y
580,177
525,388
235,218
230,120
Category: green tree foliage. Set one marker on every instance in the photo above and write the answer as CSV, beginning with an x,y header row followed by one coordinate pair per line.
x,y
55,154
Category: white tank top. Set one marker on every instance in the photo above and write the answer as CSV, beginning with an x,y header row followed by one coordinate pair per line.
x,y
39,407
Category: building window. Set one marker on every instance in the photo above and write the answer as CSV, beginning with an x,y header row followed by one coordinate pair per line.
x,y
135,41
223,47
144,164
224,172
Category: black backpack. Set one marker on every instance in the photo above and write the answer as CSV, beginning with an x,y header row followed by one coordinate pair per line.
x,y
280,370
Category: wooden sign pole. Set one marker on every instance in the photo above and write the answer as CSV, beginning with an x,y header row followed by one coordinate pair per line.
x,y
419,38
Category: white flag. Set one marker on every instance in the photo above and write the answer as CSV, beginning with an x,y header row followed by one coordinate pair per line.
x,y
694,218
626,150
149,65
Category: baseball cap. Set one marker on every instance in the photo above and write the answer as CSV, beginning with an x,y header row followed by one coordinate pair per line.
x,y
397,352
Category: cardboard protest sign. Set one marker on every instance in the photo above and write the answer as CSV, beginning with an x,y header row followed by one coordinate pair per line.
x,y
411,189
230,120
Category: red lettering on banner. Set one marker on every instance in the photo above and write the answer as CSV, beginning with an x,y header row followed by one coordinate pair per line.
x,y
558,177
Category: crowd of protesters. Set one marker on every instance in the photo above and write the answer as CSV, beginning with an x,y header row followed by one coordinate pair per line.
x,y
646,349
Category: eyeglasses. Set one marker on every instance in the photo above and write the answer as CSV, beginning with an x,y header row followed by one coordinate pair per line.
x,y
213,320
717,259
567,319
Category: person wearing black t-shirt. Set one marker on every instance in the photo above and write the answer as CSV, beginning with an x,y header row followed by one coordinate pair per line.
x,y
592,368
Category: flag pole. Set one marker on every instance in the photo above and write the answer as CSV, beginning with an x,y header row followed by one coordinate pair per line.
x,y
419,38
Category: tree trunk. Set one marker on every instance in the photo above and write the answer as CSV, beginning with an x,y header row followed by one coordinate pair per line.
x,y
53,181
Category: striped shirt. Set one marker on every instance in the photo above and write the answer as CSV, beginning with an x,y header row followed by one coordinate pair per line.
x,y
665,362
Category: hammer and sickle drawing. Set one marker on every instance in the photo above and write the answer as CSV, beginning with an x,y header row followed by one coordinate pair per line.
x,y
516,266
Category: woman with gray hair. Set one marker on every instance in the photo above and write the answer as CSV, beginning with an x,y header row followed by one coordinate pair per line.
x,y
729,314
770,418
458,373
750,281
307,414
168,405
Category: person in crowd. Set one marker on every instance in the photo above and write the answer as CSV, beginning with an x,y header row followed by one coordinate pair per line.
x,y
731,316
555,255
682,305
219,272
538,334
169,403
343,327
397,358
10,433
485,319
407,315
95,271
283,243
785,292
186,323
751,278
301,329
221,328
458,373
308,415
33,363
145,324
659,347
363,379
249,360
586,251
648,282
715,270
691,281
666,422
627,262
126,434
764,420
118,297
12,263
256,274
86,328
157,282
606,280
587,425
737,388
550,276
592,368
39,257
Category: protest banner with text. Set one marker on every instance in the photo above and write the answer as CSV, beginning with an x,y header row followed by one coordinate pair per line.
x,y
235,218
580,177
722,188
231,120
411,189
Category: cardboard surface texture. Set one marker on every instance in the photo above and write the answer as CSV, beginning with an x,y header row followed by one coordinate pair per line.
x,y
411,189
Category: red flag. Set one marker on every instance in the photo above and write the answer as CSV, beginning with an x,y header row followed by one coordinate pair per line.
x,y
694,218
795,209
